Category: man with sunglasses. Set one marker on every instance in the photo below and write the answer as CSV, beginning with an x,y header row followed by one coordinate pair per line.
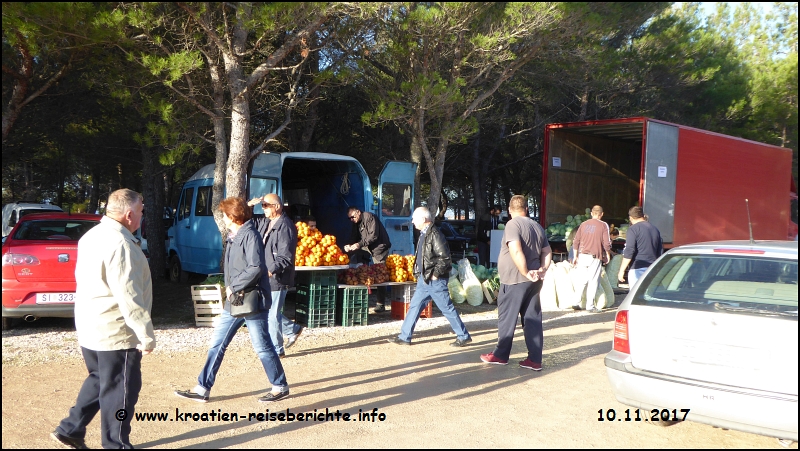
x,y
371,236
280,242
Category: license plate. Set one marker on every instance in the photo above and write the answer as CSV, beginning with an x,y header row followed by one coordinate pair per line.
x,y
54,298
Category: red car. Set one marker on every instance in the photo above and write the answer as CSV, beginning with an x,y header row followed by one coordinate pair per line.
x,y
39,265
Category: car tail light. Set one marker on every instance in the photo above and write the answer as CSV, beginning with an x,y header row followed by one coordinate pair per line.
x,y
621,339
19,259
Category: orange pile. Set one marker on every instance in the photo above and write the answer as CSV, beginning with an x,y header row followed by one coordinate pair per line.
x,y
314,249
410,259
397,268
401,269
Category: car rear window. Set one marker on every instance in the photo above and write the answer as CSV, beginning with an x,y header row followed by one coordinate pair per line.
x,y
736,284
53,229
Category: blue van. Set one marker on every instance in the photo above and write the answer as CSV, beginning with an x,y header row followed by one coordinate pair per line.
x,y
320,184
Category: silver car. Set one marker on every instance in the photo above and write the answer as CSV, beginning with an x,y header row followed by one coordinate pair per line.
x,y
709,334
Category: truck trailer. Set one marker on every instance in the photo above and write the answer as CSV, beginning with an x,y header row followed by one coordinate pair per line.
x,y
691,183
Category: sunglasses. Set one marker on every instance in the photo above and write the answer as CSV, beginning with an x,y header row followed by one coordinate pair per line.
x,y
352,217
266,205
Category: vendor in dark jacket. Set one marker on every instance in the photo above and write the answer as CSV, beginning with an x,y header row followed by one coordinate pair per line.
x,y
279,236
432,268
370,236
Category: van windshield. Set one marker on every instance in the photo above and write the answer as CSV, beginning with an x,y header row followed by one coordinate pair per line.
x,y
261,187
710,282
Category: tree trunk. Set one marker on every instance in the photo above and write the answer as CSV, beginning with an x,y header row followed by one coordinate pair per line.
x,y
416,157
436,170
478,171
94,196
313,116
153,194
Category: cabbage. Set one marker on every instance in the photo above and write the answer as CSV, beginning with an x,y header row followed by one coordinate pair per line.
x,y
457,293
474,292
612,269
481,272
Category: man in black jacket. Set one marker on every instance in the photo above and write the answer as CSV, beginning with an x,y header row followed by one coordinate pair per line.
x,y
279,236
372,236
432,269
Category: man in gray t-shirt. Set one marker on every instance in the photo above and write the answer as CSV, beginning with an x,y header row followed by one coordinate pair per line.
x,y
524,257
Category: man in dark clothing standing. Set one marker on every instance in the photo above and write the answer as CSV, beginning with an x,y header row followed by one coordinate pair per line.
x,y
432,267
486,223
372,236
524,257
642,245
279,235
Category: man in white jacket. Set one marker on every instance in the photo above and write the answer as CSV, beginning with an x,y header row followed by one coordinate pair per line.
x,y
114,296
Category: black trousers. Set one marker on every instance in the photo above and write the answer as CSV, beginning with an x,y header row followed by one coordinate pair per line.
x,y
483,253
112,388
521,300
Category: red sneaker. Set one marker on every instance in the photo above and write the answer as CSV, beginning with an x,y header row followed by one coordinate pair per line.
x,y
527,364
490,358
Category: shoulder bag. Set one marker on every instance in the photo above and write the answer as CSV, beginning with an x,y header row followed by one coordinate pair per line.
x,y
245,302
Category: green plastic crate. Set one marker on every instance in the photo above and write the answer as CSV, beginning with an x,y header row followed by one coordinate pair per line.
x,y
352,306
316,296
322,278
315,306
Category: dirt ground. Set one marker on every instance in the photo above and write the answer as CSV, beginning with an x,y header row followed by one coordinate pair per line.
x,y
431,395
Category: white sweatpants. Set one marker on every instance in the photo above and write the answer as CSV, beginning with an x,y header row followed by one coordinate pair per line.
x,y
588,279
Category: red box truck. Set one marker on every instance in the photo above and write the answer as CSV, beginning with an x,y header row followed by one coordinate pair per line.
x,y
691,183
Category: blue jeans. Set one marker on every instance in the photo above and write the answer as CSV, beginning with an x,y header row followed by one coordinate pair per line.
x,y
634,275
279,325
257,326
436,290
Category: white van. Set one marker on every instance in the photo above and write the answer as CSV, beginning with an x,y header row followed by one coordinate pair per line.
x,y
15,210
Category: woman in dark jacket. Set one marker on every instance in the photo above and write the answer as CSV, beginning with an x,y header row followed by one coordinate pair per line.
x,y
244,268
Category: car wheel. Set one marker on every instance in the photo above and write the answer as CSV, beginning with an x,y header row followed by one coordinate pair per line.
x,y
176,272
7,323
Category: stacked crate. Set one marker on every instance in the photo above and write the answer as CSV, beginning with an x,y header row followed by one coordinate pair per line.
x,y
352,305
401,299
315,299
207,301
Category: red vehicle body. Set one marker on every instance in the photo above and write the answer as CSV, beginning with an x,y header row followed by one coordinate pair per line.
x,y
691,183
39,257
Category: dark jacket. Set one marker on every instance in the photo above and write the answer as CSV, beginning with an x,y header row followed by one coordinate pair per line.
x,y
484,225
279,249
244,264
371,232
435,255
